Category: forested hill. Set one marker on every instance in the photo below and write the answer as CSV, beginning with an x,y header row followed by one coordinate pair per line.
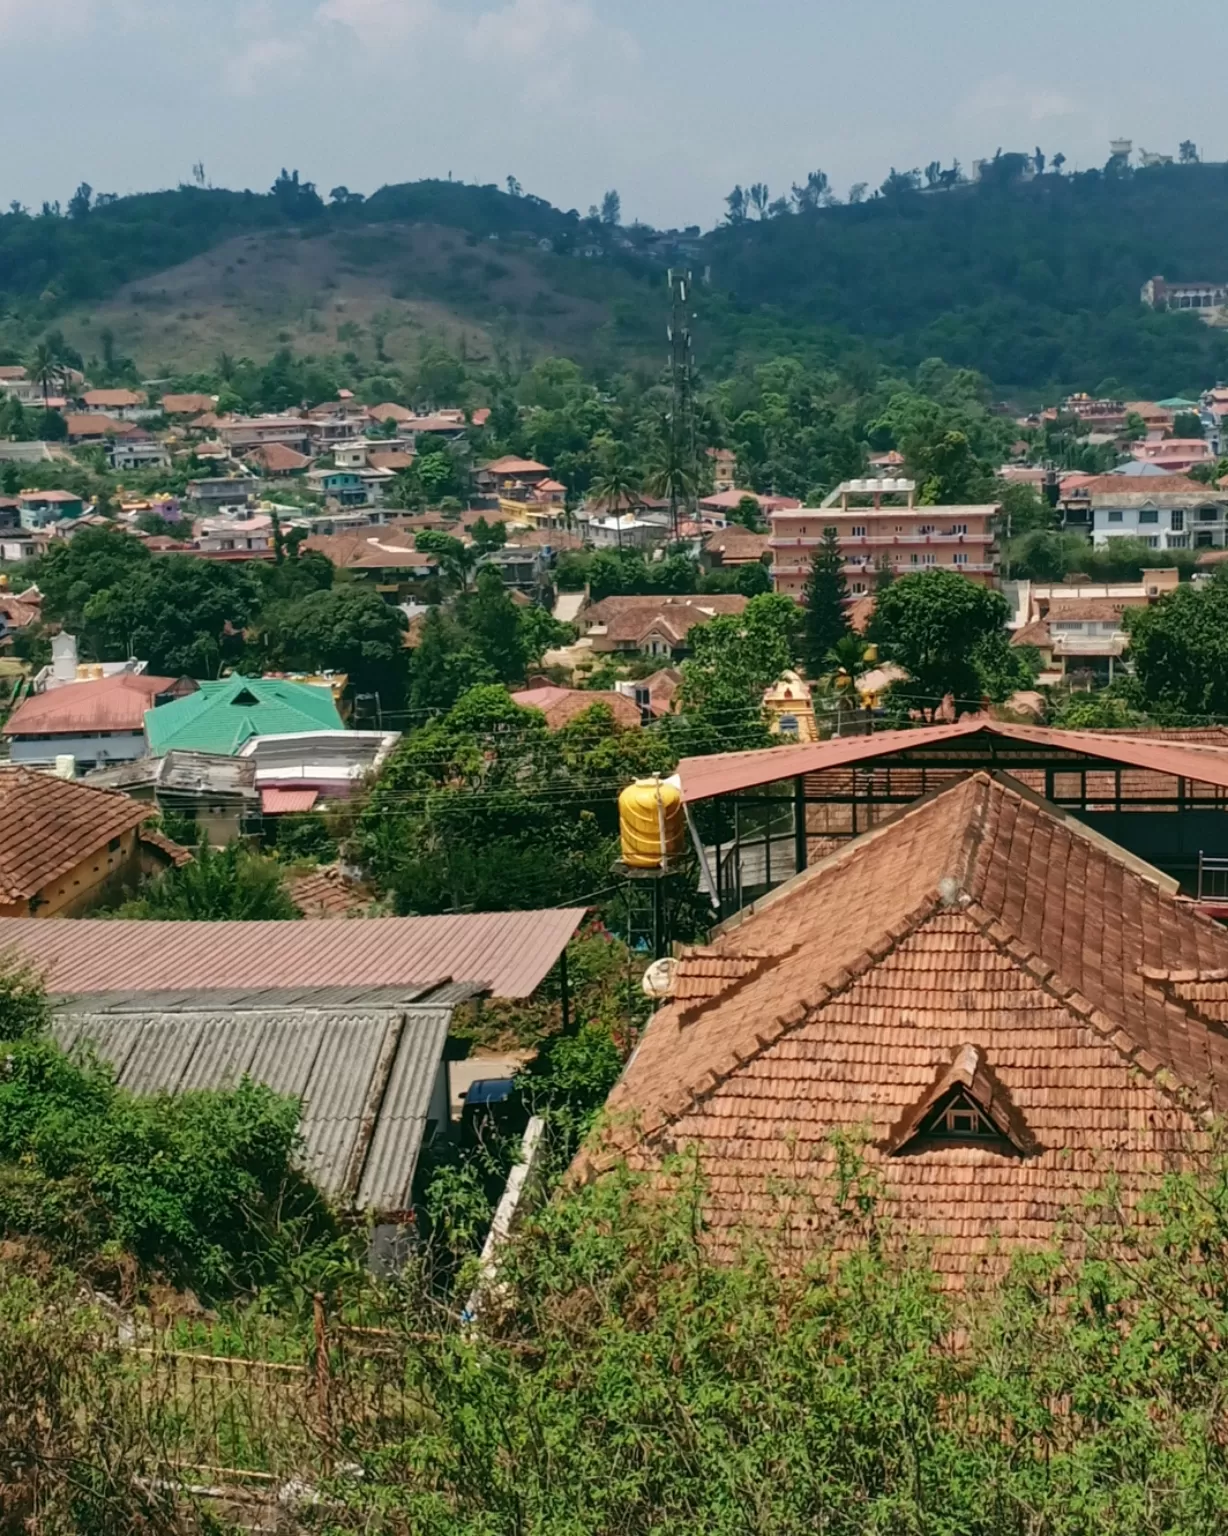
x,y
1034,284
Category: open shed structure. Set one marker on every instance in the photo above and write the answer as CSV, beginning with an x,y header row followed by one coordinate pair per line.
x,y
759,818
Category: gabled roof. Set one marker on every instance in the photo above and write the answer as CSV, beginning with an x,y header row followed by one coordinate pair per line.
x,y
277,457
511,465
187,405
109,704
979,917
222,716
48,825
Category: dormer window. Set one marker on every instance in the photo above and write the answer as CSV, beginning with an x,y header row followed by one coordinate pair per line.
x,y
965,1106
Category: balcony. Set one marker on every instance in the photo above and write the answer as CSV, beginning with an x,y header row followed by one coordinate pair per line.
x,y
887,541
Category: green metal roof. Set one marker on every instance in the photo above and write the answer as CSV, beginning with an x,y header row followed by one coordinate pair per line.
x,y
222,717
1177,403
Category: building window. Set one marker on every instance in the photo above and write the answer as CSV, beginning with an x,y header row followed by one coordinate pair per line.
x,y
959,528
914,559
788,725
927,528
929,559
1178,541
1208,514
1149,515
830,533
859,531
1177,520
1114,517
1151,541
959,559
859,588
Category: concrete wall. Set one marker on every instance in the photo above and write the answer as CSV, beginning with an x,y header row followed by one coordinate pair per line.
x,y
87,885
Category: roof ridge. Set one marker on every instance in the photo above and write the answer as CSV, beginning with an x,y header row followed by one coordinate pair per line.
x,y
826,988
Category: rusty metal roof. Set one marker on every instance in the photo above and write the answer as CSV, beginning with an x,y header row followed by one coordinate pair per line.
x,y
505,953
704,778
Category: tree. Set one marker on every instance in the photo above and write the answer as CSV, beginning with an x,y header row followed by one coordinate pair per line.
x,y
446,663
844,664
494,622
514,189
671,474
487,536
1179,647
93,561
611,209
1188,152
814,194
760,197
456,559
733,660
826,621
182,615
738,205
1059,160
217,885
347,629
948,471
932,624
1187,424
749,514
857,192
46,370
80,202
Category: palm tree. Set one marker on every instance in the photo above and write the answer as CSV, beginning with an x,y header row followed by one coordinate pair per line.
x,y
617,485
847,659
46,370
670,475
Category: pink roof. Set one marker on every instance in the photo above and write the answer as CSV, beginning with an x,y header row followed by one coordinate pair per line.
x,y
508,952
108,704
283,802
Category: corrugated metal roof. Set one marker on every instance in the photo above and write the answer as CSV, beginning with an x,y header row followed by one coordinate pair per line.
x,y
223,715
505,953
364,1075
281,802
704,778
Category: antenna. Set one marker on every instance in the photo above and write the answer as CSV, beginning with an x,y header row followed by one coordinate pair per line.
x,y
682,445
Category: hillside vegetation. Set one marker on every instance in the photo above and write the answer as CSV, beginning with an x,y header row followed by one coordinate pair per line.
x,y
1033,284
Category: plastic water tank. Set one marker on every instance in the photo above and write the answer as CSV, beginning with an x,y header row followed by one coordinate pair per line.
x,y
651,823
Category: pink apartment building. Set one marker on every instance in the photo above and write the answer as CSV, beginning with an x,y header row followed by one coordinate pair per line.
x,y
877,522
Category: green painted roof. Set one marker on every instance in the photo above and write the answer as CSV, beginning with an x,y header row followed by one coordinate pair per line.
x,y
1178,404
222,717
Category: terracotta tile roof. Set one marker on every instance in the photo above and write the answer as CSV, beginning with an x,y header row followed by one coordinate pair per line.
x,y
113,399
1092,608
277,458
509,952
327,891
109,704
98,426
370,549
860,612
47,825
511,465
1152,485
738,545
1036,633
979,919
286,802
389,411
559,705
175,853
187,405
393,459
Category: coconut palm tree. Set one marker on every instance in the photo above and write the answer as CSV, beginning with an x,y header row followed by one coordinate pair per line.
x,y
670,475
617,485
46,370
847,661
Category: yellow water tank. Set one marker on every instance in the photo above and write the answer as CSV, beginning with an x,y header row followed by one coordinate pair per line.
x,y
651,822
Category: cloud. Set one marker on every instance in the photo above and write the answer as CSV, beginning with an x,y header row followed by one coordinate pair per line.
x,y
264,63
377,24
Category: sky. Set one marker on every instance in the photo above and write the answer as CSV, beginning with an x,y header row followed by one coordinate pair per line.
x,y
672,102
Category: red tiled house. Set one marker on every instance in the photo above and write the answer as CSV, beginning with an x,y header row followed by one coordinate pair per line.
x,y
1007,1005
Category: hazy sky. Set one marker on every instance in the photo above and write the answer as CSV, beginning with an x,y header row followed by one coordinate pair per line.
x,y
670,101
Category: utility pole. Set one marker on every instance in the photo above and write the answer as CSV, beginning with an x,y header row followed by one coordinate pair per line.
x,y
682,383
